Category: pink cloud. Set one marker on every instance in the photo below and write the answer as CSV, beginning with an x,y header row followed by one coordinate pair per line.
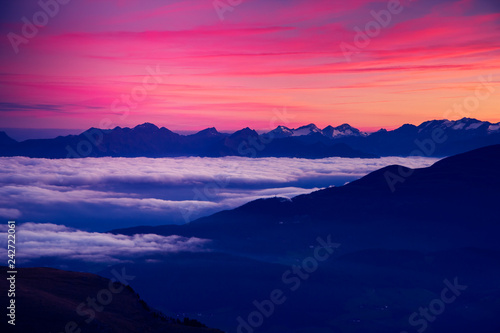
x,y
264,55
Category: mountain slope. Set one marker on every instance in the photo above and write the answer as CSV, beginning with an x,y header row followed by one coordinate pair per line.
x,y
394,250
459,193
6,140
49,299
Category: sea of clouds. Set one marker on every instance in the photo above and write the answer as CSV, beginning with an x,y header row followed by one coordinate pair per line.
x,y
99,194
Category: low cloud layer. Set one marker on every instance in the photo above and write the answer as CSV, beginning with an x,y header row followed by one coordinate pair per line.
x,y
189,171
105,193
42,240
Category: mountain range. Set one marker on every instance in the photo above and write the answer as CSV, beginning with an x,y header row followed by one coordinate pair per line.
x,y
435,138
329,131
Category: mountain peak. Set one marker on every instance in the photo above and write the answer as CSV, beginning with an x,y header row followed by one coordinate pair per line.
x,y
457,125
207,132
280,132
311,126
5,139
469,119
147,127
344,126
306,130
245,132
282,128
340,131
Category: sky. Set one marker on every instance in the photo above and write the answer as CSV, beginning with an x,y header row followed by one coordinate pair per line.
x,y
189,65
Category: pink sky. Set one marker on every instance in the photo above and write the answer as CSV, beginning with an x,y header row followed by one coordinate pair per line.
x,y
264,57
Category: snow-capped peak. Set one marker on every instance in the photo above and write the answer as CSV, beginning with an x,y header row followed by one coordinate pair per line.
x,y
329,131
342,130
494,127
306,130
281,132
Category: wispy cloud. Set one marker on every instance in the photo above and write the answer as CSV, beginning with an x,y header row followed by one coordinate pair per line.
x,y
21,107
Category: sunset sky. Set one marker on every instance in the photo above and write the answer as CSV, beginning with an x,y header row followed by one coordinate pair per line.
x,y
244,64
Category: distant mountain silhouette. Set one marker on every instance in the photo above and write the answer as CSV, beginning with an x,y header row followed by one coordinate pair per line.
x,y
5,140
432,138
150,141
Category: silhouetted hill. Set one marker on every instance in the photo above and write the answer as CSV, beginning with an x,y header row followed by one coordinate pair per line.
x,y
48,299
6,140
